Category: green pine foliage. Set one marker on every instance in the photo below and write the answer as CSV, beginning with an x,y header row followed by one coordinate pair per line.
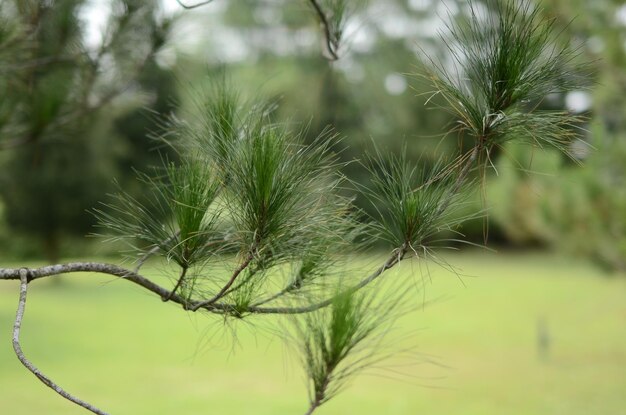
x,y
221,123
505,62
248,184
341,340
184,194
337,12
412,204
245,184
58,147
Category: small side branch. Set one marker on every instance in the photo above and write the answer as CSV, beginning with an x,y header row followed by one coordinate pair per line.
x,y
20,354
178,284
275,296
312,408
193,6
155,249
395,258
320,395
215,307
145,257
225,288
330,45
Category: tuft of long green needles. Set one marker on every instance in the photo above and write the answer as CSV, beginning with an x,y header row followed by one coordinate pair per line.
x,y
192,190
412,204
340,341
505,63
282,194
247,184
221,123
176,218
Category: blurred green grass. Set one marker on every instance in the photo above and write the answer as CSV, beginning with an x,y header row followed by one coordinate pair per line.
x,y
473,350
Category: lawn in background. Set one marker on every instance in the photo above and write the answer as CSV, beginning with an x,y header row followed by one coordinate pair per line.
x,y
475,350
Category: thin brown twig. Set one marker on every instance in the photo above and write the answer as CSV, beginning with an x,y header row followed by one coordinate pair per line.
x,y
230,282
145,258
193,6
241,283
216,307
330,47
274,296
154,251
24,279
320,395
178,284
314,405
396,256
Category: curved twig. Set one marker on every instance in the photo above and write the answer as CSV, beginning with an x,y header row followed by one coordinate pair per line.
x,y
218,308
330,47
145,257
193,6
230,282
276,295
396,256
242,282
101,268
178,284
24,274
314,405
155,249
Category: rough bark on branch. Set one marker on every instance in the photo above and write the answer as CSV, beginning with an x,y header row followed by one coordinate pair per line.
x,y
25,276
19,316
330,46
162,292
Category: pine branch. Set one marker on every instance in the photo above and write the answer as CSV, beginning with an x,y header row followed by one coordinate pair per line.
x,y
24,280
330,46
193,6
230,282
395,258
178,284
193,305
154,251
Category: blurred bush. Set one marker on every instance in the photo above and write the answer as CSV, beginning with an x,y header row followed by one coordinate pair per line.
x,y
576,209
70,115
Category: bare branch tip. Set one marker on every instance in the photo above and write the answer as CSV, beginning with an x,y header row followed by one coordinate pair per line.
x,y
193,6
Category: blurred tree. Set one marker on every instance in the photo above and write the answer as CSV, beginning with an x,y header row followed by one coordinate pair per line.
x,y
576,208
60,81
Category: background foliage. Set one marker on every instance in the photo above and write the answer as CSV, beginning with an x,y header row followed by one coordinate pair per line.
x,y
366,95
77,113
